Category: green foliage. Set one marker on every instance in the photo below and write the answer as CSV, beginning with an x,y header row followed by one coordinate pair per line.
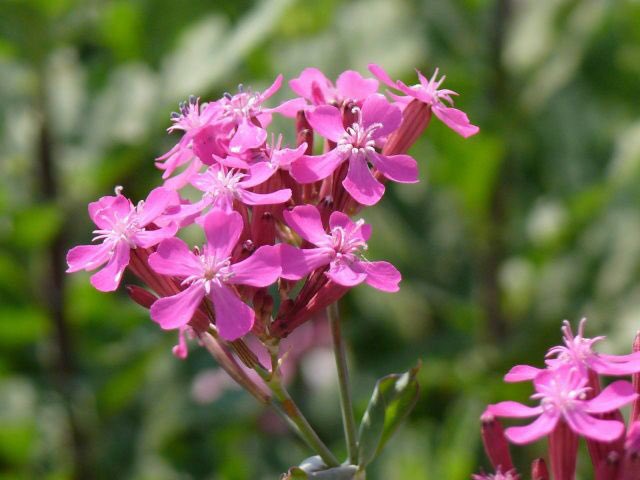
x,y
394,396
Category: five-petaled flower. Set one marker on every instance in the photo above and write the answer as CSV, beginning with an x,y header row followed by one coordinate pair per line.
x,y
562,393
212,274
428,91
121,227
341,250
357,145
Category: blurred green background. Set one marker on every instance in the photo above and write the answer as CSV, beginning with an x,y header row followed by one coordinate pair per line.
x,y
534,220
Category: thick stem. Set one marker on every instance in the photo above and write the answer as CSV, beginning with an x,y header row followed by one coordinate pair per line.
x,y
346,404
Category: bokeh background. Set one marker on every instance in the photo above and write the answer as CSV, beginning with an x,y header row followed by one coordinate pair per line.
x,y
534,220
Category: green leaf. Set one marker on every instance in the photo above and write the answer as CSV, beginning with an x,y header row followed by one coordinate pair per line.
x,y
393,398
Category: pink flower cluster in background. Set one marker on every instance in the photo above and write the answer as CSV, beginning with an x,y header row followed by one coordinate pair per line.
x,y
570,403
275,218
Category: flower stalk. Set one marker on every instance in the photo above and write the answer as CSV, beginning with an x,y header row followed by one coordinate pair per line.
x,y
346,404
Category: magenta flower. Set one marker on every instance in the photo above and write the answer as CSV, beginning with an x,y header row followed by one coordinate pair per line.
x,y
578,351
341,249
510,475
273,155
313,85
246,112
429,92
203,138
221,187
121,227
357,145
212,274
562,392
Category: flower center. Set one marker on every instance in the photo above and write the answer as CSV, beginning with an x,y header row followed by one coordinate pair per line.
x,y
562,396
224,183
214,270
122,229
358,139
347,246
188,117
241,105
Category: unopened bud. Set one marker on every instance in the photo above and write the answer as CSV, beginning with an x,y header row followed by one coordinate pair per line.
x,y
142,297
495,443
539,470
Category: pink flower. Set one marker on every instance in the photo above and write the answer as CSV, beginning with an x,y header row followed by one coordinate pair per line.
x,y
357,145
562,392
272,154
246,112
429,92
313,85
213,275
203,138
341,249
510,475
221,187
578,351
121,227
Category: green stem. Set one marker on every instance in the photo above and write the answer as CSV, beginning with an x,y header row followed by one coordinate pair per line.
x,y
293,413
346,403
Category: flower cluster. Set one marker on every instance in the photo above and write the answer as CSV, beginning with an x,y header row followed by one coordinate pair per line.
x,y
571,404
276,219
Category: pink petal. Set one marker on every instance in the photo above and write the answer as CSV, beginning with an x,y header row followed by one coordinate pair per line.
x,y
275,86
604,366
542,426
360,230
308,169
351,85
206,144
257,174
513,410
290,108
262,268
521,373
88,257
327,121
306,222
377,109
346,275
361,184
184,177
593,428
156,203
95,207
382,275
173,257
233,317
399,168
232,162
304,83
108,279
274,198
616,395
176,310
455,119
223,230
247,136
149,238
284,157
342,220
382,75
297,263
107,209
